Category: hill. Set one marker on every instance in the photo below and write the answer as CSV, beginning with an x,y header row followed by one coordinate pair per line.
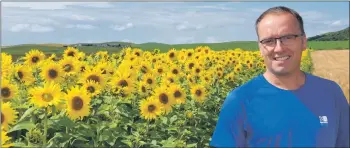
x,y
341,35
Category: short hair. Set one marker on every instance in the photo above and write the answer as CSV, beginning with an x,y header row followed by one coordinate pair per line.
x,y
281,9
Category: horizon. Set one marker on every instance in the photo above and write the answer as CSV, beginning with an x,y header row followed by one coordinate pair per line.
x,y
157,22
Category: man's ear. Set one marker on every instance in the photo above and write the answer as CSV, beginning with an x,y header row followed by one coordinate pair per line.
x,y
304,42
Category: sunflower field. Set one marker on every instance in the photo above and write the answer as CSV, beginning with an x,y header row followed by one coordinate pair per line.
x,y
132,98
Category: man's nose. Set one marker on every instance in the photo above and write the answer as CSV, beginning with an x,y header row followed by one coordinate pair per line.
x,y
279,46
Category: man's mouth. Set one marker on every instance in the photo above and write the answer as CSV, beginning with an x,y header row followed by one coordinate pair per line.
x,y
282,58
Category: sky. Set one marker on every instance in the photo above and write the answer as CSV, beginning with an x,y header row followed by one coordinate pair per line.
x,y
163,22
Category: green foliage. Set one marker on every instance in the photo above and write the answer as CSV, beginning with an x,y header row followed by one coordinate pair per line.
x,y
341,35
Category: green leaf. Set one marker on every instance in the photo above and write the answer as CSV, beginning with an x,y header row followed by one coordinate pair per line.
x,y
22,125
154,142
172,119
192,145
127,142
25,114
66,122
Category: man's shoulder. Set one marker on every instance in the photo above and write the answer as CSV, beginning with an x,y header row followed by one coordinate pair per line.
x,y
248,88
318,81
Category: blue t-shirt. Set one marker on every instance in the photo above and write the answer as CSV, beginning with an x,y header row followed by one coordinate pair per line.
x,y
258,114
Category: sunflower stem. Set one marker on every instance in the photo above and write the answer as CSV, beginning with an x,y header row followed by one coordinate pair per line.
x,y
45,127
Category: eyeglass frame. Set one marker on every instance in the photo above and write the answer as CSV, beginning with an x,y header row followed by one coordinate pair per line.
x,y
280,38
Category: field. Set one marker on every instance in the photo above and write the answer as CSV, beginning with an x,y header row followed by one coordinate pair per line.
x,y
19,50
334,65
132,98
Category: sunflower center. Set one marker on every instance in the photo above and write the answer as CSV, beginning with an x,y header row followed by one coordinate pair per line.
x,y
191,65
189,54
82,69
20,74
171,55
123,83
35,59
71,54
175,71
137,53
52,73
154,60
143,89
164,98
5,92
198,92
104,71
151,108
149,81
91,89
94,78
47,97
177,94
68,68
77,103
2,118
198,70
160,70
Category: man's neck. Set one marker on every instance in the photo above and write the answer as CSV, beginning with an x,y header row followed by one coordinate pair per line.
x,y
291,81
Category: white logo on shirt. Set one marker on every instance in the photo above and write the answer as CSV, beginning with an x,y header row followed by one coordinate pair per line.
x,y
323,120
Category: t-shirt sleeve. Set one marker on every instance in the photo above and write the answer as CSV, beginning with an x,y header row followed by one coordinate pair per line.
x,y
343,129
229,131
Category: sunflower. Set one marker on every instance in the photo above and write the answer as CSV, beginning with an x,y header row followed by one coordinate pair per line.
x,y
189,53
189,65
8,90
23,73
70,65
52,71
150,108
175,70
94,75
178,93
71,52
150,80
5,139
48,95
78,103
143,89
8,115
159,69
238,68
121,79
6,64
172,54
165,98
92,88
198,93
34,57
137,52
197,70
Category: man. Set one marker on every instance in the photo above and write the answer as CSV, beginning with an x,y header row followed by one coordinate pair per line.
x,y
284,106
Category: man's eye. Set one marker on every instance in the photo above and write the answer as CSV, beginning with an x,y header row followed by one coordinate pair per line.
x,y
268,41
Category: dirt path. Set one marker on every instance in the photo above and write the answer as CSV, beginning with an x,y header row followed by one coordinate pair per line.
x,y
333,65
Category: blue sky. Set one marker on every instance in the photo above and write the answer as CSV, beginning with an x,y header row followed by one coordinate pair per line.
x,y
166,22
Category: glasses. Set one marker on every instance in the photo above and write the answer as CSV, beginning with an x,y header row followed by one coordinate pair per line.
x,y
285,40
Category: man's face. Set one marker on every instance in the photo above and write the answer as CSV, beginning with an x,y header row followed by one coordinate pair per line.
x,y
281,58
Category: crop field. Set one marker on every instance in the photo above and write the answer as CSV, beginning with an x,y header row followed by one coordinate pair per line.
x,y
132,98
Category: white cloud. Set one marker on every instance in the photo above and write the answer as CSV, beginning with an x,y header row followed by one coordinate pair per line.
x,y
189,26
211,40
30,28
312,15
82,17
339,23
122,27
54,5
80,26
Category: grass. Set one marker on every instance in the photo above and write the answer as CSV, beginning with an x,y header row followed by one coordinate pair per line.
x,y
20,50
